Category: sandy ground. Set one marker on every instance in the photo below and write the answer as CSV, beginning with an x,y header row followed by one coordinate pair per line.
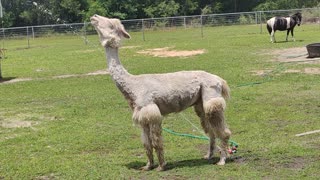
x,y
297,55
169,52
15,80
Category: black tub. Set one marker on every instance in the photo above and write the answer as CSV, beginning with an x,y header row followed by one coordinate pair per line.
x,y
313,50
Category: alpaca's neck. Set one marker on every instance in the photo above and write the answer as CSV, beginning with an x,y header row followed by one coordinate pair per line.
x,y
115,68
120,75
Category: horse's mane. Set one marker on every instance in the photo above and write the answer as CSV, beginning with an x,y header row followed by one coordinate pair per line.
x,y
298,14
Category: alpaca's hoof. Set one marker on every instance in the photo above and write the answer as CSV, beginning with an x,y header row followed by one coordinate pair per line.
x,y
146,168
208,156
161,168
221,163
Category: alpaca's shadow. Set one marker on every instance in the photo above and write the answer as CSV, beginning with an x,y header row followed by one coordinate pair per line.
x,y
179,164
2,80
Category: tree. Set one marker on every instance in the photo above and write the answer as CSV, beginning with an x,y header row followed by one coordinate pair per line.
x,y
187,7
72,10
162,9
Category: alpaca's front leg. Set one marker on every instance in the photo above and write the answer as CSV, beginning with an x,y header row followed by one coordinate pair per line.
x,y
147,143
157,143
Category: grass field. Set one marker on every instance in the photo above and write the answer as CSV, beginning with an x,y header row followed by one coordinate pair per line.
x,y
79,126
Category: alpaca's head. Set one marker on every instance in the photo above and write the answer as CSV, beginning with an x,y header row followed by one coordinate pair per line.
x,y
110,30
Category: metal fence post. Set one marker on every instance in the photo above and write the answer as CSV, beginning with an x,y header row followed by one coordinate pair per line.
x,y
143,30
318,16
32,32
85,33
201,26
260,22
184,22
28,37
0,69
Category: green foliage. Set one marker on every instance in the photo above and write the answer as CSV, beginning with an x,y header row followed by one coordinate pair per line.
x,y
162,9
246,19
39,12
210,9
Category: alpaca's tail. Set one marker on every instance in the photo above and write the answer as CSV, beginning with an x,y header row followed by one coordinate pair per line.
x,y
225,90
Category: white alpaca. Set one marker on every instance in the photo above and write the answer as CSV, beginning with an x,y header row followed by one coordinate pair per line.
x,y
151,96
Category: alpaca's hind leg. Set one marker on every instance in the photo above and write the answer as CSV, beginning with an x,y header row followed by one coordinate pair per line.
x,y
147,143
212,145
214,111
157,143
207,129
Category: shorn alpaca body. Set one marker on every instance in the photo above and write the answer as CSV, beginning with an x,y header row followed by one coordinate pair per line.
x,y
152,96
283,24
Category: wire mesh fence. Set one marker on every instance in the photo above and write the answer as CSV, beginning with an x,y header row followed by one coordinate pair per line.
x,y
259,18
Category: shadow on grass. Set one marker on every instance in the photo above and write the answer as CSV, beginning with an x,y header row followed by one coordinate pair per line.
x,y
180,164
289,41
2,80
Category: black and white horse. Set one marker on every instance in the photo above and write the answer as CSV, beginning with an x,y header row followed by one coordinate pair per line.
x,y
282,24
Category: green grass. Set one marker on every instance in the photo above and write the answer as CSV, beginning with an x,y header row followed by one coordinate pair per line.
x,y
81,126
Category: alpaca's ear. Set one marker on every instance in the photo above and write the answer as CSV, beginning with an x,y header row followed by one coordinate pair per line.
x,y
124,33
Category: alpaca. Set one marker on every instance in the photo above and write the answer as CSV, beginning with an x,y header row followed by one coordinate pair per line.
x,y
152,96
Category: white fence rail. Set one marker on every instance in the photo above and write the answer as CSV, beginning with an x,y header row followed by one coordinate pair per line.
x,y
310,15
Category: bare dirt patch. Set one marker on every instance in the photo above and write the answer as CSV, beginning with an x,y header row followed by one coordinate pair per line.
x,y
305,70
169,52
298,55
99,72
15,80
312,70
16,124
129,47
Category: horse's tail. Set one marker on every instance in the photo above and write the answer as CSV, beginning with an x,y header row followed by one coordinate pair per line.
x,y
269,27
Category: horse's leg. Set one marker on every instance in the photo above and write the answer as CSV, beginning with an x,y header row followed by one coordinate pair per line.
x,y
292,35
207,129
272,39
287,34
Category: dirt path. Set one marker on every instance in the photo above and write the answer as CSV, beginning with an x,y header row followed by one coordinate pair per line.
x,y
15,80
